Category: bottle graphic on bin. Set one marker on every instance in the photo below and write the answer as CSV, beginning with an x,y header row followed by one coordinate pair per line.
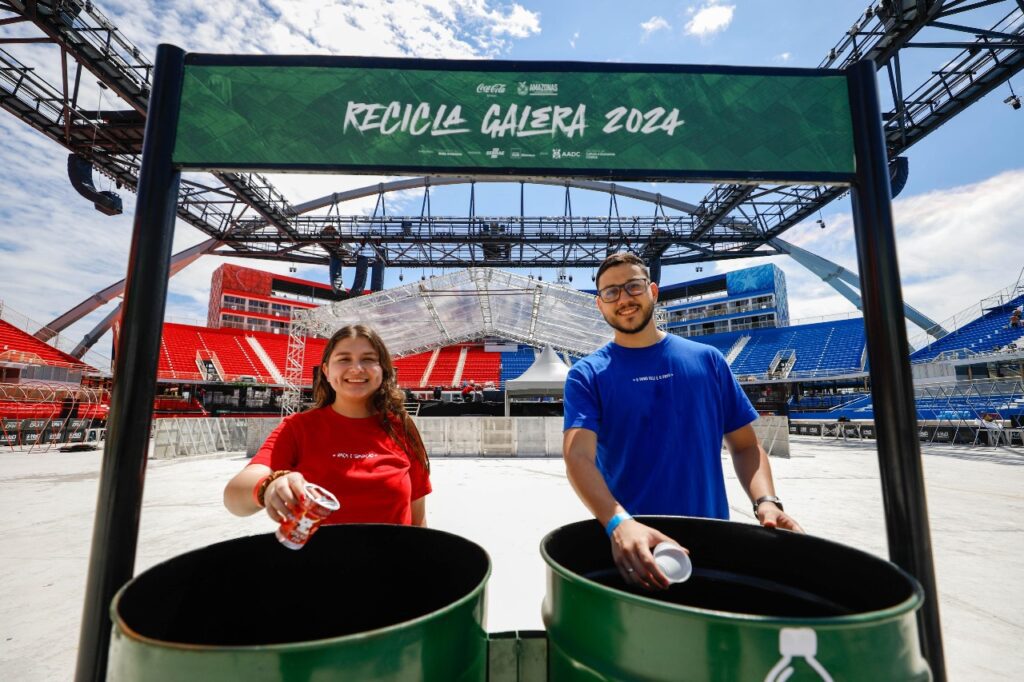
x,y
318,505
798,647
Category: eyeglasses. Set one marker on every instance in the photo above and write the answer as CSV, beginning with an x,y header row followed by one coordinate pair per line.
x,y
633,287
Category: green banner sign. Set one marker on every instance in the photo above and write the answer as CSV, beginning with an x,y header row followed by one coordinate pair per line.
x,y
404,117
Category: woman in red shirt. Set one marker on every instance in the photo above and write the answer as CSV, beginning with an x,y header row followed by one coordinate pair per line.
x,y
357,441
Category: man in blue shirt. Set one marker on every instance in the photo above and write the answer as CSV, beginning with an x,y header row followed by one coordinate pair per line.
x,y
644,421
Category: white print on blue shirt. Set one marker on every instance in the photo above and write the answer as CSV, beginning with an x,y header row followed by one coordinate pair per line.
x,y
655,377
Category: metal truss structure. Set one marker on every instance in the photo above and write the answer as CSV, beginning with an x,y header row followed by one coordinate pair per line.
x,y
47,405
951,414
457,307
465,306
246,216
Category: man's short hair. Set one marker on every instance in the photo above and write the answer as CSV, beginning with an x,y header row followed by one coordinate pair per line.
x,y
620,258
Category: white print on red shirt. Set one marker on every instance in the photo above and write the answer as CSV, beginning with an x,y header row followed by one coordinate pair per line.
x,y
357,455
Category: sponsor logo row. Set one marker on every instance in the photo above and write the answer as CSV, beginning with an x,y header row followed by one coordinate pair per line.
x,y
523,89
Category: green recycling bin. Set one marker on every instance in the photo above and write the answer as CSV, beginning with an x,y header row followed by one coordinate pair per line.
x,y
761,604
358,602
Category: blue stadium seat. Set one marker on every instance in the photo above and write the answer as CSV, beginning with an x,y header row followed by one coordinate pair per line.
x,y
989,332
514,364
822,349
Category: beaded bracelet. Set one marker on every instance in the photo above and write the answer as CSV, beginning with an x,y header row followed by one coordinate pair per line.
x,y
257,488
261,490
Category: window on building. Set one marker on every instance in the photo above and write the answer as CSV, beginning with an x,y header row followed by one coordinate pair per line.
x,y
234,302
232,321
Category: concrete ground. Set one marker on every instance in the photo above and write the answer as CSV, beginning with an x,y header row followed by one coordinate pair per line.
x,y
975,500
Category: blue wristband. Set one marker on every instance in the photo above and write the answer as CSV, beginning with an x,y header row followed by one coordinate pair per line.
x,y
614,522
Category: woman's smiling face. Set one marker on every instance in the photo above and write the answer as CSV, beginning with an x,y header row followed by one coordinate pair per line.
x,y
353,370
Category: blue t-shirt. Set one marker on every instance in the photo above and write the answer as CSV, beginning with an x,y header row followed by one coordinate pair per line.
x,y
659,413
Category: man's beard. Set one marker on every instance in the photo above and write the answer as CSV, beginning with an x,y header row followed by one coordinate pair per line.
x,y
647,315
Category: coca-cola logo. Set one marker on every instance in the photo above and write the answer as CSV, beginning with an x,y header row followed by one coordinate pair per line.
x,y
490,89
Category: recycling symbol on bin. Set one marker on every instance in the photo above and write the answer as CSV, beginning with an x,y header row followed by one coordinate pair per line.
x,y
798,647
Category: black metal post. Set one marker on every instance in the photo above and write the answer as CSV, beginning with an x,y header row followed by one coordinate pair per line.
x,y
116,527
892,387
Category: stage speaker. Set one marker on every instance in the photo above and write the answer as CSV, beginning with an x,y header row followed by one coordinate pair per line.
x,y
334,270
359,280
80,174
377,275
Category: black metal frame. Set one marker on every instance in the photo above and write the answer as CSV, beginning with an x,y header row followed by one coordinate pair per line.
x,y
123,472
892,385
119,507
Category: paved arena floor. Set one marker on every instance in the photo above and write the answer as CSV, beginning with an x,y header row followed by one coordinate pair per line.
x,y
975,500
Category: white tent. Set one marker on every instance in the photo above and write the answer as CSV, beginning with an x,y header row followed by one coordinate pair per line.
x,y
545,377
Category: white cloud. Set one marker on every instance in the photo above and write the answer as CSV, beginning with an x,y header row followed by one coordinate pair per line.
x,y
653,25
783,57
412,28
709,19
934,231
572,41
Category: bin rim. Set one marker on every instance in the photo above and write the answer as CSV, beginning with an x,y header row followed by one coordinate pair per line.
x,y
118,622
910,604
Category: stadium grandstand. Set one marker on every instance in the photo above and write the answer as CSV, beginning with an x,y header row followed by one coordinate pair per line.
x,y
265,334
968,384
47,396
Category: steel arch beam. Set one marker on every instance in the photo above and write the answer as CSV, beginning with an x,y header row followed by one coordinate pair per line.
x,y
178,262
437,181
837,277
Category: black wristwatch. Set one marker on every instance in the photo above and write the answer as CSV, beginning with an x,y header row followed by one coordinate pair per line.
x,y
767,498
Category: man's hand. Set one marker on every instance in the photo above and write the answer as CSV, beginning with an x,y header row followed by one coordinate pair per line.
x,y
770,516
631,550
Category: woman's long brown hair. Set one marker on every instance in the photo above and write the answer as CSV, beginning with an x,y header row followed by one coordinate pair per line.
x,y
387,402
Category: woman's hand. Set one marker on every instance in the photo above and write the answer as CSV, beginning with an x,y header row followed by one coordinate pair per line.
x,y
285,496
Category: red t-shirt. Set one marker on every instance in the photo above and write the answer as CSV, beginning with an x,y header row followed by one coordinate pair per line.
x,y
369,473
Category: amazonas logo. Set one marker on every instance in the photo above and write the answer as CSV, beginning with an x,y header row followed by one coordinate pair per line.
x,y
524,88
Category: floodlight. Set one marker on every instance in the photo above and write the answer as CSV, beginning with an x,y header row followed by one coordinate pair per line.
x,y
821,223
1013,101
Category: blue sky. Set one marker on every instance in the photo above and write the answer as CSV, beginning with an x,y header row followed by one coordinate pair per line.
x,y
958,219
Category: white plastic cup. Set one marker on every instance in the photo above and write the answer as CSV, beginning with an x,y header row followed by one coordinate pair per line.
x,y
673,561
